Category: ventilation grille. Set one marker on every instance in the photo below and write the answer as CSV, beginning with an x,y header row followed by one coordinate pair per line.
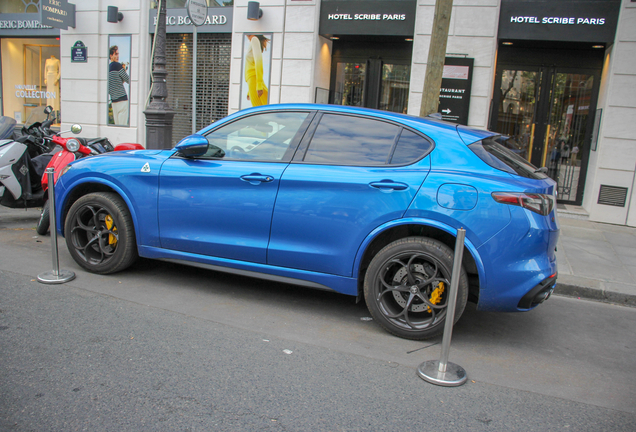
x,y
213,80
612,195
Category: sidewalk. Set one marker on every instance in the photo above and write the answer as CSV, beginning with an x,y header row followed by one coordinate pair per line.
x,y
596,260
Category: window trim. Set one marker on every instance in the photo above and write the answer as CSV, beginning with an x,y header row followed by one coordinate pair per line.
x,y
301,152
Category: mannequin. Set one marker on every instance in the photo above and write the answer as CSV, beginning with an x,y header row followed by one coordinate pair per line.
x,y
257,90
52,81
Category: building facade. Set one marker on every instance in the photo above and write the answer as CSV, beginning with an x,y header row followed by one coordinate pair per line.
x,y
558,76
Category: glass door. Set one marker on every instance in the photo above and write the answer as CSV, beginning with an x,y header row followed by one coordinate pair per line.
x,y
517,109
546,113
569,130
372,83
350,80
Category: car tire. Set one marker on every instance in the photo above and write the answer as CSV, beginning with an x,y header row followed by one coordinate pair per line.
x,y
43,223
100,234
406,287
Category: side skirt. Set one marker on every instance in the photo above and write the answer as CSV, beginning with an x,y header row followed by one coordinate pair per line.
x,y
321,281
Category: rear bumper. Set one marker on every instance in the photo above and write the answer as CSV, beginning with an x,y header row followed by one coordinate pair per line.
x,y
520,265
538,294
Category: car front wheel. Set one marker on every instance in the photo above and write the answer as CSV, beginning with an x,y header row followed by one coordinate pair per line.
x,y
99,233
406,287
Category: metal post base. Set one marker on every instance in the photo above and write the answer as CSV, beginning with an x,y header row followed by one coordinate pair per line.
x,y
454,376
62,276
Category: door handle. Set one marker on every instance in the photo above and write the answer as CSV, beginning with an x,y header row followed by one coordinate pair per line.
x,y
256,178
388,185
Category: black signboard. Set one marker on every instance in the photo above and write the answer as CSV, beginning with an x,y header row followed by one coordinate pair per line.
x,y
79,52
395,18
57,13
454,95
568,21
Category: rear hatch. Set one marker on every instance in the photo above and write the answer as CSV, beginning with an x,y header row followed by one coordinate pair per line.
x,y
539,192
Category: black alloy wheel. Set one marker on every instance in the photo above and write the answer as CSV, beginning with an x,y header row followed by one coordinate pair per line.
x,y
99,233
407,284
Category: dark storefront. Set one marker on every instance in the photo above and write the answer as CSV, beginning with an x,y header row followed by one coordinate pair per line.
x,y
548,74
214,44
372,49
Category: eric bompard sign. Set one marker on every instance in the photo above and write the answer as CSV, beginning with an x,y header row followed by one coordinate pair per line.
x,y
57,13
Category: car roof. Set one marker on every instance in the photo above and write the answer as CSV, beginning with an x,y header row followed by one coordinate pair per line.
x,y
428,125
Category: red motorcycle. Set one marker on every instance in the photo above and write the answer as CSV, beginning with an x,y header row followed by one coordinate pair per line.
x,y
73,148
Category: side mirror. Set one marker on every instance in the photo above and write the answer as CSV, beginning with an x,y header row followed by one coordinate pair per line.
x,y
76,129
48,110
192,146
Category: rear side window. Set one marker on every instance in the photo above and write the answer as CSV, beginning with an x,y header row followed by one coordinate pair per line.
x,y
497,156
410,147
349,140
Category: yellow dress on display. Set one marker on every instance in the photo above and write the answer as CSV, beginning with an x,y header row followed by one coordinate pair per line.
x,y
254,73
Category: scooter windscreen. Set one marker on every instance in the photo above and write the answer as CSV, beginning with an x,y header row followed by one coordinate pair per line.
x,y
6,127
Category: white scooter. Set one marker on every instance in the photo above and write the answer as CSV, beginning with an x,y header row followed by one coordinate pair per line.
x,y
22,162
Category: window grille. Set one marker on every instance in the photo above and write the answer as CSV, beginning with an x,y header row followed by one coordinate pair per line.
x,y
213,79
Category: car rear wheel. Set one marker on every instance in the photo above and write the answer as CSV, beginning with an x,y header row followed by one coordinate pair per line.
x,y
99,233
406,287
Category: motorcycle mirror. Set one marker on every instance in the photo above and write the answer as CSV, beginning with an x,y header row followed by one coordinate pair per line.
x,y
76,128
48,110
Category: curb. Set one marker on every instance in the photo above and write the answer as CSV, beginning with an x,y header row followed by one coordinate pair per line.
x,y
601,295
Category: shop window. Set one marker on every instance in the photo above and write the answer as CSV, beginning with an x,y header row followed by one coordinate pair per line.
x,y
19,6
30,78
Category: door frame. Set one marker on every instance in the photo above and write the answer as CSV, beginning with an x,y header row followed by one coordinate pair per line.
x,y
373,51
549,63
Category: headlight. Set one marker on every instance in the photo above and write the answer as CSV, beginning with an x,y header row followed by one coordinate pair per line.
x,y
72,145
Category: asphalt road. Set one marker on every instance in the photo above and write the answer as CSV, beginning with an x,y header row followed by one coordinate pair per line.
x,y
169,347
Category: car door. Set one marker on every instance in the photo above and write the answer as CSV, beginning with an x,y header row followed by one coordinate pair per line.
x,y
355,174
221,204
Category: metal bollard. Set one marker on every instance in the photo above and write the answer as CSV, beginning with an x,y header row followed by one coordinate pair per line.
x,y
443,372
56,276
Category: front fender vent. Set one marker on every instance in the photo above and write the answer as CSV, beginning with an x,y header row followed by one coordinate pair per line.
x,y
613,196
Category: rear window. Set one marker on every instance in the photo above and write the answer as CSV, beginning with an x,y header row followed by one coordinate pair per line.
x,y
491,151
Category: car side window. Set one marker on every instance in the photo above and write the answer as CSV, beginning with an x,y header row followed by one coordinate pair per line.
x,y
410,147
261,137
349,140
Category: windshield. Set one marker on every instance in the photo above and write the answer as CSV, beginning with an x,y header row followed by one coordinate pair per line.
x,y
6,127
37,114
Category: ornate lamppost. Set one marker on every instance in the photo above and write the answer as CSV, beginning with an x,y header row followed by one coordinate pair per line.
x,y
159,114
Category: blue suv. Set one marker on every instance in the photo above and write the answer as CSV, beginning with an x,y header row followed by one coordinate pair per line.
x,y
362,202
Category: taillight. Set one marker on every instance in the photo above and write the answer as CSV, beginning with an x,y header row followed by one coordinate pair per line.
x,y
538,203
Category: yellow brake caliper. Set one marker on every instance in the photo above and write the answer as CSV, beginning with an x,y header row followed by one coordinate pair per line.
x,y
110,225
436,295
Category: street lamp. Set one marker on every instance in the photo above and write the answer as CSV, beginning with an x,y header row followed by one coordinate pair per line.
x,y
159,114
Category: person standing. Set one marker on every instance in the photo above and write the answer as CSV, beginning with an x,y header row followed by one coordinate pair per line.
x,y
117,76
